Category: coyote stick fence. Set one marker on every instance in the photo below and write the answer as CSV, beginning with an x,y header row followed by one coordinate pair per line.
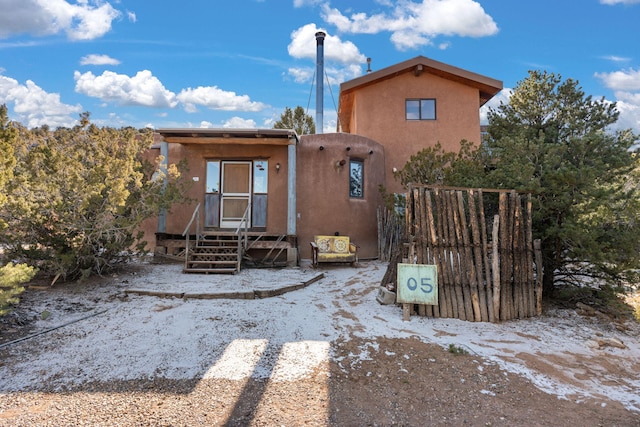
x,y
481,242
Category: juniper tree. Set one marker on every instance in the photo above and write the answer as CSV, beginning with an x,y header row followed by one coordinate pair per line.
x,y
78,196
555,141
11,276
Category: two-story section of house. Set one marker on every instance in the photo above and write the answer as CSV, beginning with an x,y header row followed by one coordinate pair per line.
x,y
412,105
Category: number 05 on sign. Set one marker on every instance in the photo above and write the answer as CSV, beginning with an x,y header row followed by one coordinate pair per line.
x,y
417,284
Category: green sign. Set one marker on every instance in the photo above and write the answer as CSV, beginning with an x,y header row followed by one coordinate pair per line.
x,y
417,284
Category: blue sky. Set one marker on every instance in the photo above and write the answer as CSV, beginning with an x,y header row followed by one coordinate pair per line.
x,y
203,63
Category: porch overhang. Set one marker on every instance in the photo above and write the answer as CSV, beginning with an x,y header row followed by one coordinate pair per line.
x,y
230,136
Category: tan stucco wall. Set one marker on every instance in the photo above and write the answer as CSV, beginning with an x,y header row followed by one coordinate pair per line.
x,y
197,155
323,202
379,114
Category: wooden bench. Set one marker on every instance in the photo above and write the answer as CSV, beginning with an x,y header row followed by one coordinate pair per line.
x,y
333,249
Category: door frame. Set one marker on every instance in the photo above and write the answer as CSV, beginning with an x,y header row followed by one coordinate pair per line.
x,y
235,222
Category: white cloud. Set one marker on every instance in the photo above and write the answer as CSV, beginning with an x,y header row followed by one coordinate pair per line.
x,y
34,106
611,2
301,75
335,75
216,99
501,97
406,39
342,59
621,80
628,104
615,58
94,59
143,89
629,113
303,46
626,87
338,75
239,123
268,122
302,3
83,20
132,16
628,97
416,24
330,125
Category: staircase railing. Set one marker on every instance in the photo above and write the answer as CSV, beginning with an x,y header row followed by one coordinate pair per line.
x,y
194,217
243,237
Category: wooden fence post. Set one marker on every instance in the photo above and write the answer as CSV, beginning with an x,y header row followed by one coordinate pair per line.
x,y
495,266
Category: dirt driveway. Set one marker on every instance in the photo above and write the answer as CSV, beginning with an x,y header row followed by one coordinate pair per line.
x,y
325,353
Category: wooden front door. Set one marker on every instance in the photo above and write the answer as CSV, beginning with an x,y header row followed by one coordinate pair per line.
x,y
235,194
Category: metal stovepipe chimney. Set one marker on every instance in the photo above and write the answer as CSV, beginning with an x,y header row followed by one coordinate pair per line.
x,y
319,79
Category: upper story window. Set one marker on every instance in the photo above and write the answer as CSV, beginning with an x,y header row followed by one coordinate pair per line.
x,y
356,178
421,109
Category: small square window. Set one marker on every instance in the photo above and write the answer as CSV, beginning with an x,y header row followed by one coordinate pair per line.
x,y
356,178
420,109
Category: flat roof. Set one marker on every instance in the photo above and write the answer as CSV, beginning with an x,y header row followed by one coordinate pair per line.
x,y
229,136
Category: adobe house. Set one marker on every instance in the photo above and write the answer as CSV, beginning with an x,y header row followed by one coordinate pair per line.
x,y
279,189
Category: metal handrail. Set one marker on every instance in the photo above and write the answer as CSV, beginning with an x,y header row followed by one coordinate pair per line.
x,y
195,216
196,213
242,240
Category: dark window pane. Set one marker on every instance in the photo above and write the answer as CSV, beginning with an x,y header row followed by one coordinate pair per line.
x,y
413,109
428,109
356,178
213,176
260,173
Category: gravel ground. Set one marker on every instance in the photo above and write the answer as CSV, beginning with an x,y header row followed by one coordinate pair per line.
x,y
429,387
407,376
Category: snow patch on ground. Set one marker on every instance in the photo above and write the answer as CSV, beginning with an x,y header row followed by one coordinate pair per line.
x,y
289,336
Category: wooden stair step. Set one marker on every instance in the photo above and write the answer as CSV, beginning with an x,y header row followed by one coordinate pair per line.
x,y
213,243
212,264
209,270
213,253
